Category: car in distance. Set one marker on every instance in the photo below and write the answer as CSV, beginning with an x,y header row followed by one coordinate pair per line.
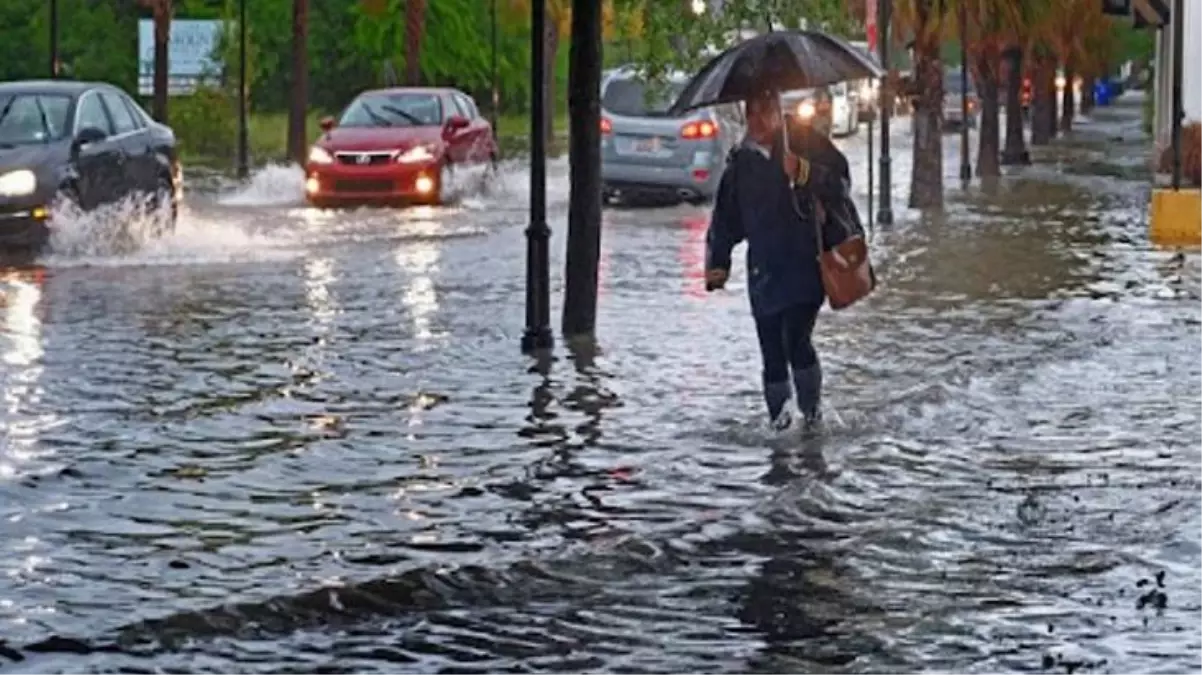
x,y
813,106
398,145
87,143
953,111
647,154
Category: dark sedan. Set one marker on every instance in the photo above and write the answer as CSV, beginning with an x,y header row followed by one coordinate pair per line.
x,y
88,143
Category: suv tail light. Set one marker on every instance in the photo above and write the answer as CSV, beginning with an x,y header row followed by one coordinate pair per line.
x,y
701,129
607,127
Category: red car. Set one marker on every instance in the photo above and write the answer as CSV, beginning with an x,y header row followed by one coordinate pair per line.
x,y
397,146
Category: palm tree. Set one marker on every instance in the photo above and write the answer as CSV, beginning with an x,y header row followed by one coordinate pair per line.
x,y
161,10
415,28
1015,150
297,133
925,18
991,26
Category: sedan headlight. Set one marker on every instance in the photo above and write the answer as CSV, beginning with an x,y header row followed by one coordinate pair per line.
x,y
18,183
319,155
806,110
415,155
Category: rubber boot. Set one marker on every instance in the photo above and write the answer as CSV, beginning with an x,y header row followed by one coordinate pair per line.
x,y
808,384
776,395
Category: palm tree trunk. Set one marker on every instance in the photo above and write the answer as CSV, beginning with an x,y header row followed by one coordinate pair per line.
x,y
552,53
1068,104
1043,103
989,139
297,134
162,35
1087,95
415,28
1015,151
926,177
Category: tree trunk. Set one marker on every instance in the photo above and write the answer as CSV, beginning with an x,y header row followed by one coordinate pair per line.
x,y
162,35
1015,151
926,177
552,36
986,62
297,133
1068,104
415,28
1053,109
1043,101
1087,95
584,205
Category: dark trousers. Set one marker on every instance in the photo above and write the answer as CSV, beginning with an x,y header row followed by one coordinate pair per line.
x,y
785,340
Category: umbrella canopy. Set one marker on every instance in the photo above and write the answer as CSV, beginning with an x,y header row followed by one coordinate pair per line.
x,y
776,61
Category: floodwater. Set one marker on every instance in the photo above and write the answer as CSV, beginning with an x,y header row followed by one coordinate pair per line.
x,y
294,441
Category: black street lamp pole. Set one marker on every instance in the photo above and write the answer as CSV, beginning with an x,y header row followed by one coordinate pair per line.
x,y
243,130
53,38
1178,18
965,167
496,94
537,335
884,15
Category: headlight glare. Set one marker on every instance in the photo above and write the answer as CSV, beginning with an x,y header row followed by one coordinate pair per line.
x,y
319,155
18,183
418,153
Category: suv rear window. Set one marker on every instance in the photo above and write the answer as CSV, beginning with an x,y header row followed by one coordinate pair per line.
x,y
630,97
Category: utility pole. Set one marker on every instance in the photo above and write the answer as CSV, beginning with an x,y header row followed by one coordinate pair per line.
x,y
243,130
584,204
496,94
537,335
885,215
1178,18
53,39
965,167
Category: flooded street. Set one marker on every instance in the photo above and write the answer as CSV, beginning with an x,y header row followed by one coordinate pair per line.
x,y
288,440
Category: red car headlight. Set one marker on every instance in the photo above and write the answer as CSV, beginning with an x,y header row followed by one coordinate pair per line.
x,y
319,155
418,154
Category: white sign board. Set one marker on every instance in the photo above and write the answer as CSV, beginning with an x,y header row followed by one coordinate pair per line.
x,y
189,55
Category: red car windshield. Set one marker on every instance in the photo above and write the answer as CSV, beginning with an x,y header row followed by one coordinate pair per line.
x,y
393,110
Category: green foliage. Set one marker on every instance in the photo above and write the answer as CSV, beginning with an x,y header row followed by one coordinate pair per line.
x,y
675,39
206,122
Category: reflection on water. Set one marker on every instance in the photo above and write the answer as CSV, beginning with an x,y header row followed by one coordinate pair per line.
x,y
343,463
419,264
21,342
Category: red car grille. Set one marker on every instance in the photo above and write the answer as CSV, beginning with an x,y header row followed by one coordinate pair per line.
x,y
363,159
363,186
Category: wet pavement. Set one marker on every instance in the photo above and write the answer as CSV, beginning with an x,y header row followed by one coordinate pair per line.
x,y
295,441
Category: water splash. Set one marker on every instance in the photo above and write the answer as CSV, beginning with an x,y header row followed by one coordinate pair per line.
x,y
126,233
273,185
475,188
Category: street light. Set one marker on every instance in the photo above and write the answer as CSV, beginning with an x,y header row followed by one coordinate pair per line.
x,y
698,7
965,167
884,11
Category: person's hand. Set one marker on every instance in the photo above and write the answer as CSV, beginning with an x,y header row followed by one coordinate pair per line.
x,y
715,279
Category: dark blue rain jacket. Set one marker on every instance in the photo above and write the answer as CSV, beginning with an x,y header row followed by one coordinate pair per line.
x,y
755,201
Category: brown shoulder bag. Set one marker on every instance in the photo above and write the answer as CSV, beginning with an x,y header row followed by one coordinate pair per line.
x,y
847,272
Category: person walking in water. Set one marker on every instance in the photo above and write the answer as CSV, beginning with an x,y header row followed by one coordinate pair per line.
x,y
757,200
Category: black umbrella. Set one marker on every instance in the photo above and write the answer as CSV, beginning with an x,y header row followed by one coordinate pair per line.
x,y
777,61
